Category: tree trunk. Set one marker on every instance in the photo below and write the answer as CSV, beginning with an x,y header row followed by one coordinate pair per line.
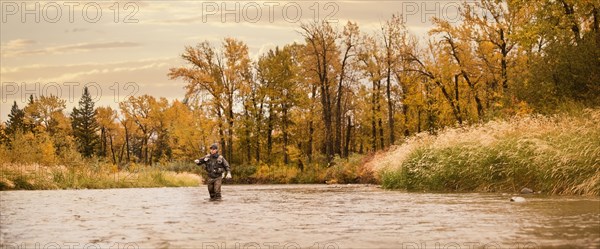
x,y
475,94
127,143
456,96
258,131
230,134
390,105
348,136
338,125
453,104
145,146
445,92
285,134
381,138
596,28
503,61
248,146
112,150
247,143
361,147
121,153
326,103
270,135
311,131
570,13
319,39
466,77
405,114
103,141
374,117
221,131
431,116
338,104
379,118
311,128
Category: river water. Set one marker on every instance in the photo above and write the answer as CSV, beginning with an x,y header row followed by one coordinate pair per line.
x,y
293,216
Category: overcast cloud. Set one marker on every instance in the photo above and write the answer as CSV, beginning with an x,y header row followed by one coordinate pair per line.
x,y
118,47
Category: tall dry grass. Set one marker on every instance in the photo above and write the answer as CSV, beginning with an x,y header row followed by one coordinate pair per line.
x,y
557,155
98,176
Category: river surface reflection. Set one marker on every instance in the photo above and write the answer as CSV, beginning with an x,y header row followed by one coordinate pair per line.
x,y
293,216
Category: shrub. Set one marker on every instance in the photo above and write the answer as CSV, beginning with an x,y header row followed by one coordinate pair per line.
x,y
349,170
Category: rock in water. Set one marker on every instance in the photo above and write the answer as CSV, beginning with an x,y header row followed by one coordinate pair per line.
x,y
527,191
517,199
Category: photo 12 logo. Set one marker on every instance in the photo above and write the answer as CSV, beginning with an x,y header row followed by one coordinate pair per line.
x,y
253,12
54,12
268,245
70,91
69,245
467,245
422,11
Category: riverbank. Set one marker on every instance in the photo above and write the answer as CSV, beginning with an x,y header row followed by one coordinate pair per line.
x,y
557,155
99,176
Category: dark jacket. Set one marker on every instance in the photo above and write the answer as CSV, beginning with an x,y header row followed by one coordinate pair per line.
x,y
215,165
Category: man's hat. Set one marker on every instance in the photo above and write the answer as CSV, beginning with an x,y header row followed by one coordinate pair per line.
x,y
214,147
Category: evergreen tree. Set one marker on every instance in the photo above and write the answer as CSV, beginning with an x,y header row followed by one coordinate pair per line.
x,y
16,120
85,125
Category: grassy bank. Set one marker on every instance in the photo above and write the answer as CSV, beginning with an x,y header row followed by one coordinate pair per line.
x,y
555,155
99,176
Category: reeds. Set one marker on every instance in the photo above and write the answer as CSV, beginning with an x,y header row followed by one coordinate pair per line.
x,y
99,176
555,155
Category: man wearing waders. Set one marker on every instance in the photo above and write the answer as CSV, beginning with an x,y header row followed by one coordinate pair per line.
x,y
216,166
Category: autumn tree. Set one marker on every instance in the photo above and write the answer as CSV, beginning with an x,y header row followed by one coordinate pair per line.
x,y
186,130
494,27
220,74
437,69
323,51
51,129
162,120
128,130
277,70
4,139
563,46
372,65
349,41
138,111
106,118
43,113
306,116
393,36
457,44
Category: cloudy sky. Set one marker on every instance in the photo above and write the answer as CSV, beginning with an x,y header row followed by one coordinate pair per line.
x,y
124,48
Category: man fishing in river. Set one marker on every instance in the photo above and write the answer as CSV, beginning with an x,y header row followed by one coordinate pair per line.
x,y
216,166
